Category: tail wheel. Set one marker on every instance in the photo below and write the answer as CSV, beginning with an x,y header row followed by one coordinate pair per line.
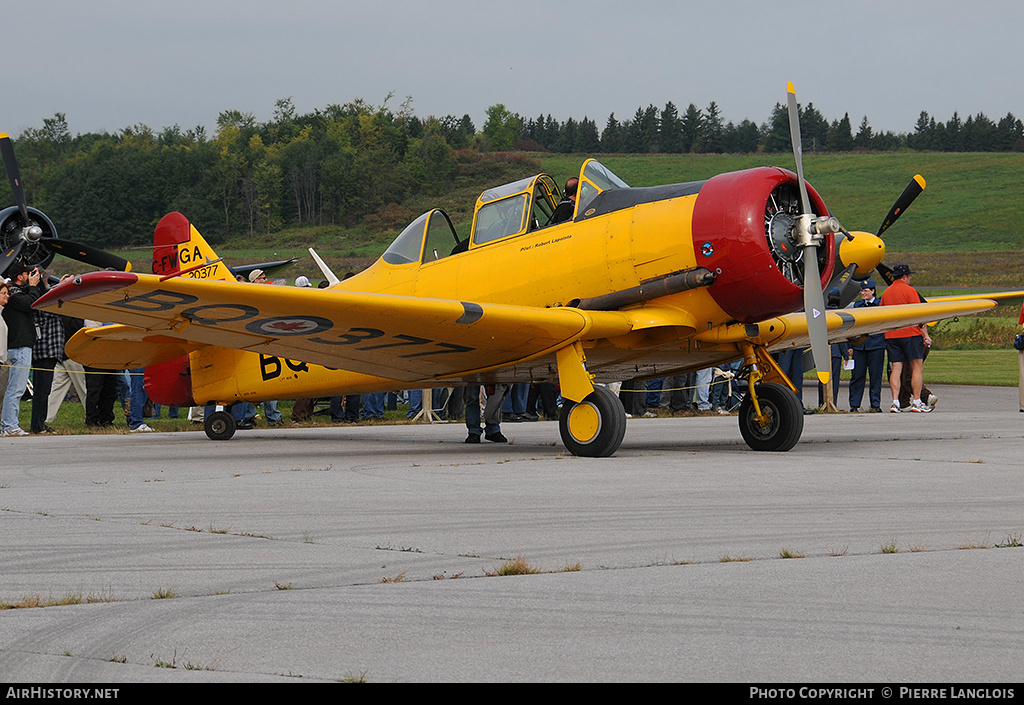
x,y
785,418
219,426
594,427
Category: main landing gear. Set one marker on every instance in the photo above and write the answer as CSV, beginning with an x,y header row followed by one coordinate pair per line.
x,y
771,416
780,422
594,427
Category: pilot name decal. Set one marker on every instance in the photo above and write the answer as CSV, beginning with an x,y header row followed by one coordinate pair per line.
x,y
546,242
160,300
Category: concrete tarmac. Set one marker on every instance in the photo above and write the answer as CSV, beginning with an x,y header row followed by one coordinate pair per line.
x,y
373,552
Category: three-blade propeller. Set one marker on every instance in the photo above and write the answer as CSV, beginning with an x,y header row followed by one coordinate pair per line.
x,y
30,233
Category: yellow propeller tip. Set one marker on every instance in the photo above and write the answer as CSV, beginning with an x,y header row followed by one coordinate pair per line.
x,y
920,181
823,377
4,136
789,88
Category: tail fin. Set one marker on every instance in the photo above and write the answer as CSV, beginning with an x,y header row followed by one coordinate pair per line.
x,y
179,248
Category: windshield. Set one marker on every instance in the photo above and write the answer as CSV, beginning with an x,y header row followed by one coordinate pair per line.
x,y
441,240
595,177
406,247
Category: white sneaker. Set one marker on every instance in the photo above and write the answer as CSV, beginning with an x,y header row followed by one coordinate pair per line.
x,y
16,431
920,407
932,401
141,428
895,408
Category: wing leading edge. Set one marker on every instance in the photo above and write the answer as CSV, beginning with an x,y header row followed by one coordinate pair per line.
x,y
401,337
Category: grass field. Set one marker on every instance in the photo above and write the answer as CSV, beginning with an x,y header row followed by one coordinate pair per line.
x,y
964,230
976,367
972,201
71,419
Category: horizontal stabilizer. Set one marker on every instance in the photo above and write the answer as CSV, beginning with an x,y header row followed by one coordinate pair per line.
x,y
124,348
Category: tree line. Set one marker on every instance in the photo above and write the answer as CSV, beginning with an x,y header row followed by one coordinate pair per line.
x,y
706,132
342,163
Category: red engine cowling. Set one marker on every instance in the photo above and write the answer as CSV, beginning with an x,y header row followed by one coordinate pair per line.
x,y
734,218
170,382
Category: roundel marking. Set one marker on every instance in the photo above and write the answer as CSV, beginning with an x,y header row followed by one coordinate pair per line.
x,y
289,325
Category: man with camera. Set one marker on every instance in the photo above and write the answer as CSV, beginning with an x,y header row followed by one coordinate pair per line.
x,y
21,336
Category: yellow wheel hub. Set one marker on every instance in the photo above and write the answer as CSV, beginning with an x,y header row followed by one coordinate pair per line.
x,y
584,422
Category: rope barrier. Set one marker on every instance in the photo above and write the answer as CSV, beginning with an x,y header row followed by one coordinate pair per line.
x,y
84,371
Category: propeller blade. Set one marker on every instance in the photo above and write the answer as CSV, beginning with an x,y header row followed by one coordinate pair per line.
x,y
814,301
8,257
885,273
848,287
912,191
798,150
814,307
13,175
90,255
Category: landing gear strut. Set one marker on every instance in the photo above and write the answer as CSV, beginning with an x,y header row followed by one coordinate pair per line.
x,y
594,427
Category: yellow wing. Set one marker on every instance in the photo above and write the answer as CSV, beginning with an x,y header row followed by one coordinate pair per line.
x,y
790,331
401,337
995,296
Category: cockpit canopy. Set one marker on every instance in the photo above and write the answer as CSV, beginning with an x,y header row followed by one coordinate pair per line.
x,y
501,212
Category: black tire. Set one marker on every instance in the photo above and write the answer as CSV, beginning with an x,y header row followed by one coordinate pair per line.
x,y
785,414
600,424
219,426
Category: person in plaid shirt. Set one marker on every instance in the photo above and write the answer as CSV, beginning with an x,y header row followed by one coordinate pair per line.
x,y
46,352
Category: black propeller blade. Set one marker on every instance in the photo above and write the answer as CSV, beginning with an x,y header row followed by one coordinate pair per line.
x,y
912,191
885,273
13,175
11,254
100,259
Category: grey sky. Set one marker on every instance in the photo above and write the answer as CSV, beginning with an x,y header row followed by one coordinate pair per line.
x,y
108,64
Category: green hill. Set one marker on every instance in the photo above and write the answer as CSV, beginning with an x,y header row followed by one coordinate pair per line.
x,y
972,202
962,231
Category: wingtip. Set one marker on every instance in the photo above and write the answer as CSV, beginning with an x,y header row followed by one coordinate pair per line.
x,y
85,285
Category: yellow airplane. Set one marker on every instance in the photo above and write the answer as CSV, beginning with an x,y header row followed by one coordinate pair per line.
x,y
638,283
